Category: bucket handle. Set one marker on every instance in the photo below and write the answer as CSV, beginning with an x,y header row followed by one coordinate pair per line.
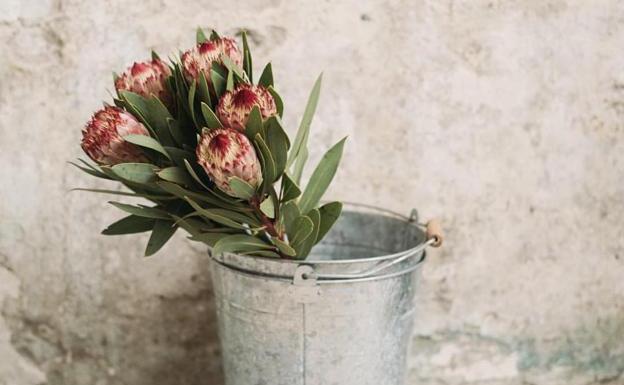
x,y
305,274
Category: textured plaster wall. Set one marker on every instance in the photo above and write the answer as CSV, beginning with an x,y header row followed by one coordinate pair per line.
x,y
506,119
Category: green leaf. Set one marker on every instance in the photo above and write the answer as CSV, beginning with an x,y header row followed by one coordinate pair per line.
x,y
191,171
178,155
269,169
91,171
200,37
284,247
217,215
142,211
229,82
162,232
305,247
131,224
329,213
299,164
124,193
147,142
191,104
279,104
262,253
278,143
301,229
214,35
321,177
268,207
301,139
266,79
152,112
209,116
290,190
247,62
202,89
206,197
209,238
241,188
254,123
176,175
218,83
232,67
290,212
240,243
135,172
155,55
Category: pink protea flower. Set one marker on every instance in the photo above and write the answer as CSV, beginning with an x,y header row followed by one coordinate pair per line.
x,y
102,138
199,58
225,153
234,106
146,79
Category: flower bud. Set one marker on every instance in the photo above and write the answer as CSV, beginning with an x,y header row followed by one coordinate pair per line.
x,y
146,79
199,58
102,138
225,153
234,106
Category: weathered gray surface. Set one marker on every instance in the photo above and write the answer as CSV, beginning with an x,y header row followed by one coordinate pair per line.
x,y
504,118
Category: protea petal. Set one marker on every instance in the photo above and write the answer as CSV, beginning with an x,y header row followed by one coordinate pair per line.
x,y
225,153
146,79
102,138
234,106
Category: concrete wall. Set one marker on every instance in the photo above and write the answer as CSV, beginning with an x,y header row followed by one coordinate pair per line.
x,y
503,118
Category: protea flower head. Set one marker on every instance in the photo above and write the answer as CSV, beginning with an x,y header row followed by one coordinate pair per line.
x,y
234,106
102,138
146,79
225,153
199,58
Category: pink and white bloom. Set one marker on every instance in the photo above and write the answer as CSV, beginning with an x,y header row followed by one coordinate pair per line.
x,y
102,138
225,153
199,58
234,106
146,79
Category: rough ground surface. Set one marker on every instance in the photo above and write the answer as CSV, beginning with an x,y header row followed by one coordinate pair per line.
x,y
504,118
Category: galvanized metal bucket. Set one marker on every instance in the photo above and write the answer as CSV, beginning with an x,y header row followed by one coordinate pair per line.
x,y
342,317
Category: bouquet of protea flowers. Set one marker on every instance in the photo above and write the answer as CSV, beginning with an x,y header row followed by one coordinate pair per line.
x,y
205,145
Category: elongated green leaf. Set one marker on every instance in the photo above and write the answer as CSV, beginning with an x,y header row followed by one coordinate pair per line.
x,y
269,169
216,215
301,229
329,213
155,55
279,104
131,224
209,238
299,165
266,79
191,105
218,82
290,190
261,253
268,207
176,175
162,232
241,188
232,67
125,193
210,117
278,143
321,177
290,212
301,139
214,35
91,171
240,243
206,197
147,142
229,81
135,172
247,61
254,123
284,247
142,211
153,113
200,36
178,156
192,172
202,89
305,246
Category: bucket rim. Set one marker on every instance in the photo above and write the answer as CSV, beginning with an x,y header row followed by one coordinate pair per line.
x,y
412,220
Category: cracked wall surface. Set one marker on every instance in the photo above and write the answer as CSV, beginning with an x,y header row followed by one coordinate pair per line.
x,y
504,118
